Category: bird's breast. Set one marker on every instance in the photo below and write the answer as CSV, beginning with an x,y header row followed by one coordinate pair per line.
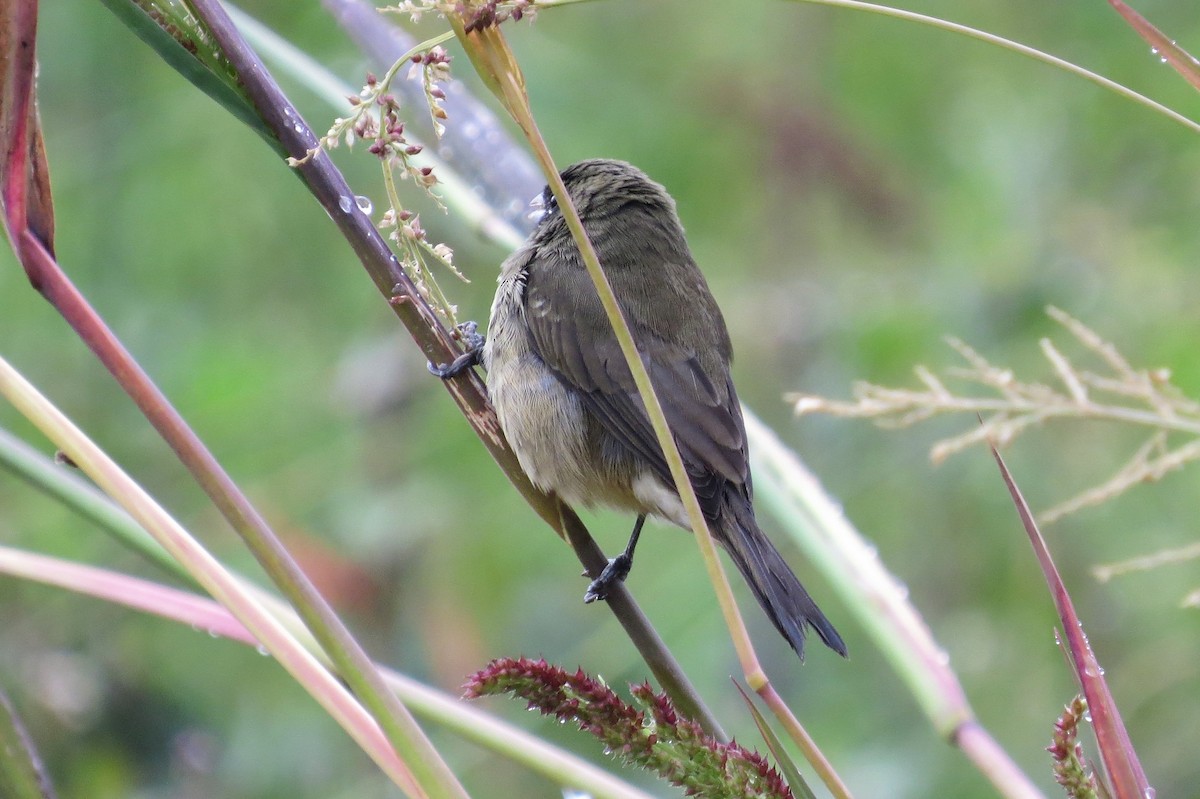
x,y
559,444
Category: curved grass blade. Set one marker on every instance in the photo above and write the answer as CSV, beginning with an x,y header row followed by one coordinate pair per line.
x,y
1016,47
1116,750
24,172
1166,49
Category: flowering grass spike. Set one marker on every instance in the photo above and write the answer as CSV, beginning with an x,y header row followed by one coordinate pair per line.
x,y
649,734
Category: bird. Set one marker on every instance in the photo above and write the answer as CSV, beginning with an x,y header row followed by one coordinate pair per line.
x,y
566,400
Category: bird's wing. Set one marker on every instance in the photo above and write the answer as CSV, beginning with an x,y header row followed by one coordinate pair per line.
x,y
705,418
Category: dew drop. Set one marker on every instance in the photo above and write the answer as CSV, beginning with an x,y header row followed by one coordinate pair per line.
x,y
345,203
262,650
364,204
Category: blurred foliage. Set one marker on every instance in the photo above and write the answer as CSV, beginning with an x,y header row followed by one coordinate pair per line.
x,y
854,187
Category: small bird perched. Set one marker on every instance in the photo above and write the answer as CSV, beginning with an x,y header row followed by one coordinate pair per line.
x,y
567,401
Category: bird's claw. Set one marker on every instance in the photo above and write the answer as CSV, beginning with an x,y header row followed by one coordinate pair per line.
x,y
469,333
615,572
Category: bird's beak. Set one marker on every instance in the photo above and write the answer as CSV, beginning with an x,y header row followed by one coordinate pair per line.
x,y
537,209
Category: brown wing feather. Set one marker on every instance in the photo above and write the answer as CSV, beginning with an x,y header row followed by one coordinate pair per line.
x,y
705,419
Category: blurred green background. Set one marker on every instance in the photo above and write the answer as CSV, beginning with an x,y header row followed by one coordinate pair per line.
x,y
855,188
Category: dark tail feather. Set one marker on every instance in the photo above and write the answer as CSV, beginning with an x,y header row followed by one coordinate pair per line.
x,y
777,589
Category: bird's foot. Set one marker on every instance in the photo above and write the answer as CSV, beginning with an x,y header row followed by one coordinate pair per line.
x,y
615,572
469,333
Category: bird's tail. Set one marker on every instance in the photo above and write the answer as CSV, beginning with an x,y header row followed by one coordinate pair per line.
x,y
777,589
